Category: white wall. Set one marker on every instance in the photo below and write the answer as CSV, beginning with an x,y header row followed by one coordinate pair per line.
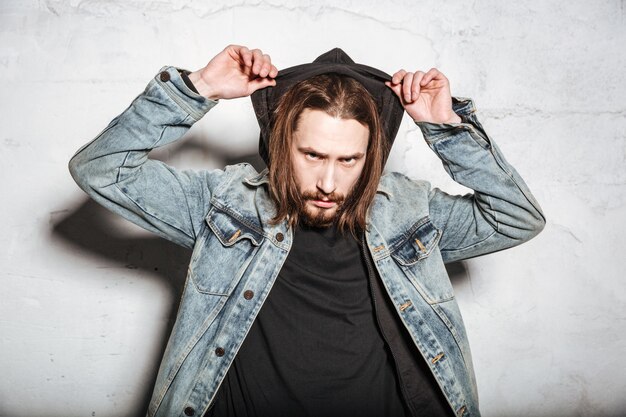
x,y
87,300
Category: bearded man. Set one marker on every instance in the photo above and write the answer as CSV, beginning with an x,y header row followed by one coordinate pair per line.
x,y
316,287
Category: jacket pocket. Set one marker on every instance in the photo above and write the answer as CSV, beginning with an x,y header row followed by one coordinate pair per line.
x,y
417,244
417,254
221,258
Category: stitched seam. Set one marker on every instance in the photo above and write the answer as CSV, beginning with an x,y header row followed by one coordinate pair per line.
x,y
152,215
470,246
235,215
183,106
407,235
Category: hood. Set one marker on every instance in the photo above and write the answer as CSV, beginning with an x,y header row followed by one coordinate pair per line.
x,y
337,61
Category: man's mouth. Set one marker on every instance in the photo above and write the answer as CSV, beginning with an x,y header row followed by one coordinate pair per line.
x,y
324,203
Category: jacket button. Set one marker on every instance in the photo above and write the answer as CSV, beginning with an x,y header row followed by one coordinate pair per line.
x,y
189,411
280,237
248,294
219,351
164,76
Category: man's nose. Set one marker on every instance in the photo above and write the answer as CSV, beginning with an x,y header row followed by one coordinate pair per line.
x,y
326,180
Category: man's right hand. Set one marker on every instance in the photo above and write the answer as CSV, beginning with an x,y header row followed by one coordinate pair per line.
x,y
235,72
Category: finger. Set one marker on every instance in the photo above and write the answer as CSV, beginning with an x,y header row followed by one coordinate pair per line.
x,y
416,87
407,83
430,75
398,76
273,72
259,83
396,88
257,61
246,55
266,67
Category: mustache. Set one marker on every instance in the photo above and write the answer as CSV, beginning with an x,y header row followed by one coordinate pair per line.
x,y
318,195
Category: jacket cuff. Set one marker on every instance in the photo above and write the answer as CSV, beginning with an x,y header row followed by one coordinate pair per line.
x,y
184,74
172,81
465,109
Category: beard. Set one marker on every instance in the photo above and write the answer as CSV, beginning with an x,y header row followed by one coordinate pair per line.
x,y
319,217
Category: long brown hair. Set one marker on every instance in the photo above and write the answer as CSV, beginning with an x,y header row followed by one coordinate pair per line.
x,y
339,96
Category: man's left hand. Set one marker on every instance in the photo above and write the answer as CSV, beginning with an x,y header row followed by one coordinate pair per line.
x,y
425,96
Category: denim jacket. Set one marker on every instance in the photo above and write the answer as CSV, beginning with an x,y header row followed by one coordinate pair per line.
x,y
224,216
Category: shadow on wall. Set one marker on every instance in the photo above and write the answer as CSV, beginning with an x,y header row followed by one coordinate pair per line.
x,y
89,230
457,272
93,230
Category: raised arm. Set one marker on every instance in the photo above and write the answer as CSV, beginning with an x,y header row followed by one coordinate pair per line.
x,y
502,212
114,168
235,72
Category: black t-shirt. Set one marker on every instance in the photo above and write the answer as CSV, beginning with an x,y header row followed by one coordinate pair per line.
x,y
315,348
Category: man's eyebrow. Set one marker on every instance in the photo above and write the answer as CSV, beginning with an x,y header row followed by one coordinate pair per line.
x,y
308,149
357,155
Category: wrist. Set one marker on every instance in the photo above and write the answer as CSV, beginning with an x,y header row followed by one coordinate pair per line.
x,y
202,86
454,118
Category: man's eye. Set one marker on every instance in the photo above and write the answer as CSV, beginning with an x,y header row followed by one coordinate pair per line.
x,y
349,161
312,156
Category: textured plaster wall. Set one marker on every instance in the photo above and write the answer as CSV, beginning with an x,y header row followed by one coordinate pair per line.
x,y
87,301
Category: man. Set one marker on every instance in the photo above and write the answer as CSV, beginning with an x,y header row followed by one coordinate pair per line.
x,y
361,318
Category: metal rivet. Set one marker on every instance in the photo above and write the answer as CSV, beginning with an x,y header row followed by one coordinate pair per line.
x,y
164,76
189,411
280,237
437,358
406,305
248,294
234,236
220,351
421,245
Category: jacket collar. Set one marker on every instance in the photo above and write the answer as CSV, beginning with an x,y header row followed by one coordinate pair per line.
x,y
258,179
249,204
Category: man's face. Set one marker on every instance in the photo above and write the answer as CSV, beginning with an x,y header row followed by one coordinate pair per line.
x,y
328,156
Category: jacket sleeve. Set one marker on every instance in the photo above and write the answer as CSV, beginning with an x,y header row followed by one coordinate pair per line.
x,y
500,213
114,168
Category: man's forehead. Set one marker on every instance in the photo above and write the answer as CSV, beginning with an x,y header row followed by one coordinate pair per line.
x,y
323,134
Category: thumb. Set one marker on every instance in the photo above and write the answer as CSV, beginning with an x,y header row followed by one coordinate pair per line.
x,y
259,83
397,89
